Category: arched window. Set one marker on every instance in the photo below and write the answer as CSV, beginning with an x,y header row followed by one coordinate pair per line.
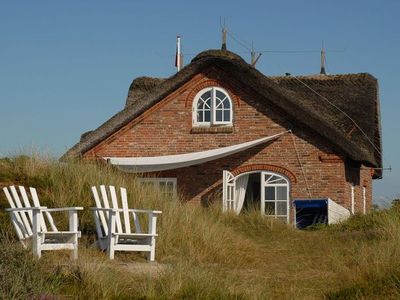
x,y
275,195
212,106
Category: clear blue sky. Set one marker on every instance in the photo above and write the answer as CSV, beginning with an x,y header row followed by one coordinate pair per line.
x,y
65,66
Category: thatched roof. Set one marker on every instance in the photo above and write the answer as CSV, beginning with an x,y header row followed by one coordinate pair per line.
x,y
142,86
355,94
346,101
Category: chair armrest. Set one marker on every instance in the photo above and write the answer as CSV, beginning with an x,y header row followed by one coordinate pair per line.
x,y
63,209
104,209
149,211
129,210
25,208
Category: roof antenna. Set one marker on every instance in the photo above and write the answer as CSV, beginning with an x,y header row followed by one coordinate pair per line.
x,y
254,59
323,60
179,55
224,31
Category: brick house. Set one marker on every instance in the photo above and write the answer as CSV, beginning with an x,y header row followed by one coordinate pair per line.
x,y
220,128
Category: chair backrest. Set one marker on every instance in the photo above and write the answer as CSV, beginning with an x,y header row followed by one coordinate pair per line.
x,y
123,224
23,220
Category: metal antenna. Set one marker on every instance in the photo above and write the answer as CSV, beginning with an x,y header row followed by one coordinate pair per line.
x,y
254,59
323,60
252,53
224,31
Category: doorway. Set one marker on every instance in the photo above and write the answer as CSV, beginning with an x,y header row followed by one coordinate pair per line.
x,y
260,190
252,200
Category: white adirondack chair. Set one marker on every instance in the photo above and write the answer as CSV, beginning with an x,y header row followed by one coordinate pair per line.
x,y
115,232
30,225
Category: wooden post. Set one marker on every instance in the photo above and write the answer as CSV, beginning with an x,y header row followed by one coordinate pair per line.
x,y
152,231
36,239
111,237
73,226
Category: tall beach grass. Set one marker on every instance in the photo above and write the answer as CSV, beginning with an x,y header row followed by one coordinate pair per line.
x,y
202,253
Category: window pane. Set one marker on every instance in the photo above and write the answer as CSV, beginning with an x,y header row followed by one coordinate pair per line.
x,y
270,208
220,95
200,104
167,188
227,104
207,116
281,208
148,183
200,116
267,177
204,104
227,115
218,115
276,179
281,181
281,192
218,103
273,178
269,193
206,95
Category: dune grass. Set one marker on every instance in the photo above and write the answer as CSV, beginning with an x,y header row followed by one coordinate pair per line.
x,y
203,253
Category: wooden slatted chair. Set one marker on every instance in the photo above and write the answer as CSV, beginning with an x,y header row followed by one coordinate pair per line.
x,y
30,223
116,232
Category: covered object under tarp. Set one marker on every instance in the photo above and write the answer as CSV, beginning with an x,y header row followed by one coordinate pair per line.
x,y
318,211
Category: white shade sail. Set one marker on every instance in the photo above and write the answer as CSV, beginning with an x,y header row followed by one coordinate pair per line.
x,y
169,162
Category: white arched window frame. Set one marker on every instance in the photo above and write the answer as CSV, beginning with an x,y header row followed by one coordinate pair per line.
x,y
212,106
275,195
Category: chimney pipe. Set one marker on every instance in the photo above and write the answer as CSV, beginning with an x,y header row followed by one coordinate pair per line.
x,y
178,56
323,60
223,47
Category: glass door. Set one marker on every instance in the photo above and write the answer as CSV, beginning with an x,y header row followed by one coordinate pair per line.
x,y
275,196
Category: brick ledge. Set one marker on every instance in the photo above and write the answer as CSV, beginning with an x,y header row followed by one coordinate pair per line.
x,y
219,129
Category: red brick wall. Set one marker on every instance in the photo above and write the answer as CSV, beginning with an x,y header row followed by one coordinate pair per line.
x,y
360,177
166,129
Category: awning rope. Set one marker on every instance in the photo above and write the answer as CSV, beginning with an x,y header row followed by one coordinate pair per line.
x,y
301,164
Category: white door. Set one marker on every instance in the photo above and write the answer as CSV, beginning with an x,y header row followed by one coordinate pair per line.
x,y
228,191
274,196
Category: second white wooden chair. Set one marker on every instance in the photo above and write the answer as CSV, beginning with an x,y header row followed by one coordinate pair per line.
x,y
115,229
30,225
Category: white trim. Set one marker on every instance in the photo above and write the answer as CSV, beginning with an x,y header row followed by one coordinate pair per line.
x,y
168,162
352,199
364,200
228,191
213,120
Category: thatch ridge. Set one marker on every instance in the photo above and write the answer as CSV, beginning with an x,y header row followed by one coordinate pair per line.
x,y
142,86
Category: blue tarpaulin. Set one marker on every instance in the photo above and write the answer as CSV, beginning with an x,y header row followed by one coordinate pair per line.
x,y
310,212
310,203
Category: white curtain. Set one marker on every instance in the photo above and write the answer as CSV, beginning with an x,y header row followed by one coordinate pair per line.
x,y
241,186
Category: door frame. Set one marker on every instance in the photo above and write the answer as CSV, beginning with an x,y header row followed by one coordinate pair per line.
x,y
232,182
263,185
